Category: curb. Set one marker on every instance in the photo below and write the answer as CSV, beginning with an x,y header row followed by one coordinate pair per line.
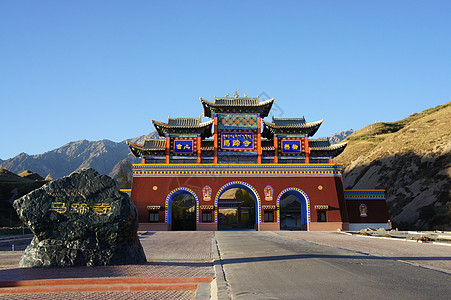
x,y
400,239
220,286
104,284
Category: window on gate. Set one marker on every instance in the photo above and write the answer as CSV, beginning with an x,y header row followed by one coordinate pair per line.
x,y
269,216
321,216
154,217
206,216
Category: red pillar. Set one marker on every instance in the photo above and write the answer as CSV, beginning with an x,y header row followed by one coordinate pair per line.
x,y
215,159
198,145
276,150
168,148
307,150
259,141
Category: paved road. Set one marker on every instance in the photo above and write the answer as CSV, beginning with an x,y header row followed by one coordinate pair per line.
x,y
428,255
266,265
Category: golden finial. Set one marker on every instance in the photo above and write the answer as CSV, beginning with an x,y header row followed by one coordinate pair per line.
x,y
245,96
236,94
227,96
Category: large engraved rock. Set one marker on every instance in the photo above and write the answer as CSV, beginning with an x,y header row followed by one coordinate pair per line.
x,y
80,220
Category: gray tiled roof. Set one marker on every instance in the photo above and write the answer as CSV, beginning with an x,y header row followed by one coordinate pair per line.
x,y
292,123
320,143
288,122
151,144
318,147
182,122
184,125
155,144
252,104
237,101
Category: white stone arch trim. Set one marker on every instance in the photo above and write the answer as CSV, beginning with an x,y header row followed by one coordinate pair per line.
x,y
169,199
304,194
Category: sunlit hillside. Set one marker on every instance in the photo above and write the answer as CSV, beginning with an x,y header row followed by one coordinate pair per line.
x,y
411,159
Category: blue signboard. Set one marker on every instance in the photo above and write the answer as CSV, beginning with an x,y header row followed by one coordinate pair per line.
x,y
291,146
182,146
237,140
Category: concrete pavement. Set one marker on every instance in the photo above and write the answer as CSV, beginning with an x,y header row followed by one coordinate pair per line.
x,y
249,265
428,255
269,265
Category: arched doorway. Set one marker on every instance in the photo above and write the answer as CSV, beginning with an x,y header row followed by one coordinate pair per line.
x,y
182,209
294,209
237,207
184,212
236,210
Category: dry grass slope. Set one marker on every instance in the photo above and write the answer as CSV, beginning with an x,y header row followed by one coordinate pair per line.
x,y
411,159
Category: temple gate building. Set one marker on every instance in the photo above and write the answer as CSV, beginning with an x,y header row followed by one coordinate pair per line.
x,y
291,178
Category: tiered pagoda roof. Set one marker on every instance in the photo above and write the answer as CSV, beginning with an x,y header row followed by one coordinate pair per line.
x,y
226,109
151,146
184,126
322,147
237,104
289,126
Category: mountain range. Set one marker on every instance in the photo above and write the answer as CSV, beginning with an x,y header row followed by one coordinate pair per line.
x,y
104,155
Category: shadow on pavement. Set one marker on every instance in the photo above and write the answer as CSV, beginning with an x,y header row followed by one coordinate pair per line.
x,y
309,256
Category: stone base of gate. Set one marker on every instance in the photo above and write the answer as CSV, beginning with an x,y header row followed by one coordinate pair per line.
x,y
327,226
206,226
154,227
268,227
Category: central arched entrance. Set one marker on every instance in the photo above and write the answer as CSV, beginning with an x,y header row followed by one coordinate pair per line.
x,y
294,208
237,207
236,210
182,208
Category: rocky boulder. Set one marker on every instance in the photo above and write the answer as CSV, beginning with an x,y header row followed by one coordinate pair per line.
x,y
80,220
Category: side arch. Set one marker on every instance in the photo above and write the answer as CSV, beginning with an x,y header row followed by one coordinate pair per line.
x,y
242,185
171,196
297,192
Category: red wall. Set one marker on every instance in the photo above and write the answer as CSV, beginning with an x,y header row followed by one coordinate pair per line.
x,y
331,193
377,211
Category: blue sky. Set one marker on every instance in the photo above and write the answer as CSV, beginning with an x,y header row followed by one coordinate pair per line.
x,y
73,70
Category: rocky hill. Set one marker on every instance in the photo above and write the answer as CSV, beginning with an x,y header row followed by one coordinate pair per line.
x,y
12,187
338,137
105,156
411,159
